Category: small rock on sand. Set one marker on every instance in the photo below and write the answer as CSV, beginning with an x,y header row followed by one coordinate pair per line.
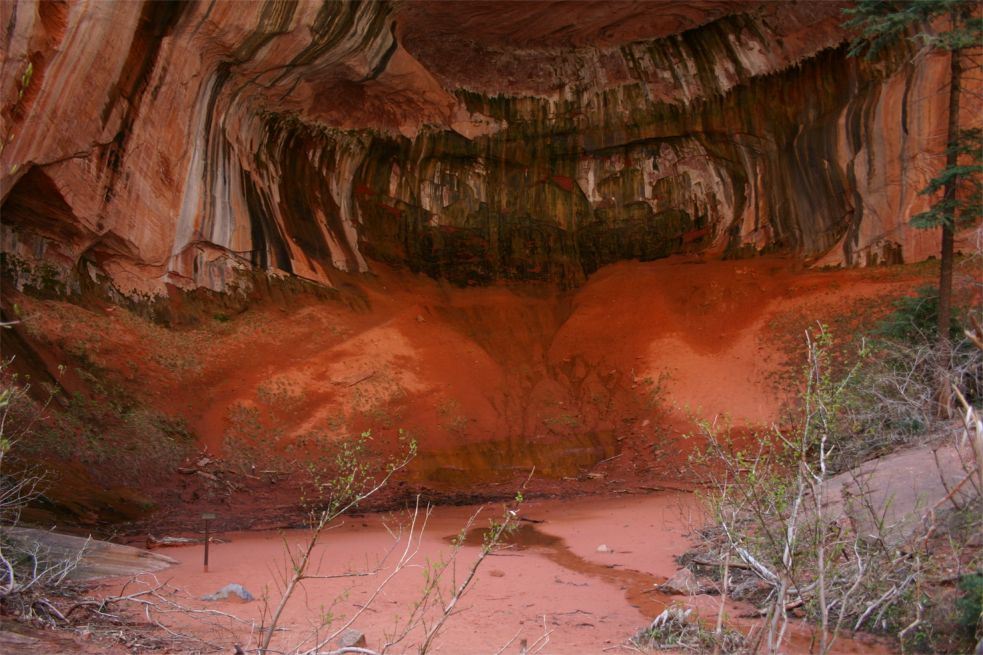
x,y
233,589
603,548
350,638
683,583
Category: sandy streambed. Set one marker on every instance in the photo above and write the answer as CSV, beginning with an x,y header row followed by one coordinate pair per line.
x,y
552,580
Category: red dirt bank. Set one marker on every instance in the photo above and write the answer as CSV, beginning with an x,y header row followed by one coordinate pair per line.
x,y
491,381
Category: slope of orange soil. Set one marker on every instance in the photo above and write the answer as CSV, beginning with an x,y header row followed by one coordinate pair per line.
x,y
491,381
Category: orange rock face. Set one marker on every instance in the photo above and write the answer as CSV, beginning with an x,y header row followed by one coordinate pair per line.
x,y
148,145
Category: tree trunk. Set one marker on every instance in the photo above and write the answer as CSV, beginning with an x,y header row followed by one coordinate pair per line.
x,y
948,230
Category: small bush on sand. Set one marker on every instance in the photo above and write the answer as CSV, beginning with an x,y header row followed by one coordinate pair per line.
x,y
29,574
841,566
891,397
673,629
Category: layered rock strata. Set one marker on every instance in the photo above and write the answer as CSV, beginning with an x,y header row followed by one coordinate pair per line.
x,y
172,145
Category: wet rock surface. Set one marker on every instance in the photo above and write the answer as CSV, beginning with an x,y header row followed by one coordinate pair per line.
x,y
465,141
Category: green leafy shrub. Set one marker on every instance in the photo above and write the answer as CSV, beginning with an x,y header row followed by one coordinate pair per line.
x,y
892,399
914,318
970,605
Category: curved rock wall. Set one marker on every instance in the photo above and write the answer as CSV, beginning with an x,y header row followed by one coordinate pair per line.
x,y
176,143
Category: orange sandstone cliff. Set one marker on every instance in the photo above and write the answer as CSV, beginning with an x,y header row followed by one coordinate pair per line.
x,y
477,192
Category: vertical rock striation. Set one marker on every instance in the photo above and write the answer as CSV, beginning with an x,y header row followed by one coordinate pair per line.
x,y
158,145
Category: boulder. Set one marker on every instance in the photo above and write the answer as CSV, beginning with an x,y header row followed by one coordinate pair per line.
x,y
98,559
682,583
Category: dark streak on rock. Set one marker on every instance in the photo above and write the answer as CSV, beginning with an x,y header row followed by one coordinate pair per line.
x,y
384,61
156,20
274,19
264,231
11,25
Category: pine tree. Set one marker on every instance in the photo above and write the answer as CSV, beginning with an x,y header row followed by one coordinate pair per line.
x,y
883,24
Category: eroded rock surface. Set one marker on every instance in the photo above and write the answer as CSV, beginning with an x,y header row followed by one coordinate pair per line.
x,y
153,145
96,559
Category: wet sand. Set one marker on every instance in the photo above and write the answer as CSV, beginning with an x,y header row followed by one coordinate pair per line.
x,y
550,580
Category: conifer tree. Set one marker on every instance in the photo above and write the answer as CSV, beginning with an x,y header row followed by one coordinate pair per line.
x,y
956,27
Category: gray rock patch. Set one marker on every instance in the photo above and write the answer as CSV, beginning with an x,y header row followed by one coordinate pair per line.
x,y
233,589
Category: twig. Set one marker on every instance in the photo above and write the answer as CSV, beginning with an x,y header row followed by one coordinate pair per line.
x,y
496,535
723,603
608,459
544,639
508,643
